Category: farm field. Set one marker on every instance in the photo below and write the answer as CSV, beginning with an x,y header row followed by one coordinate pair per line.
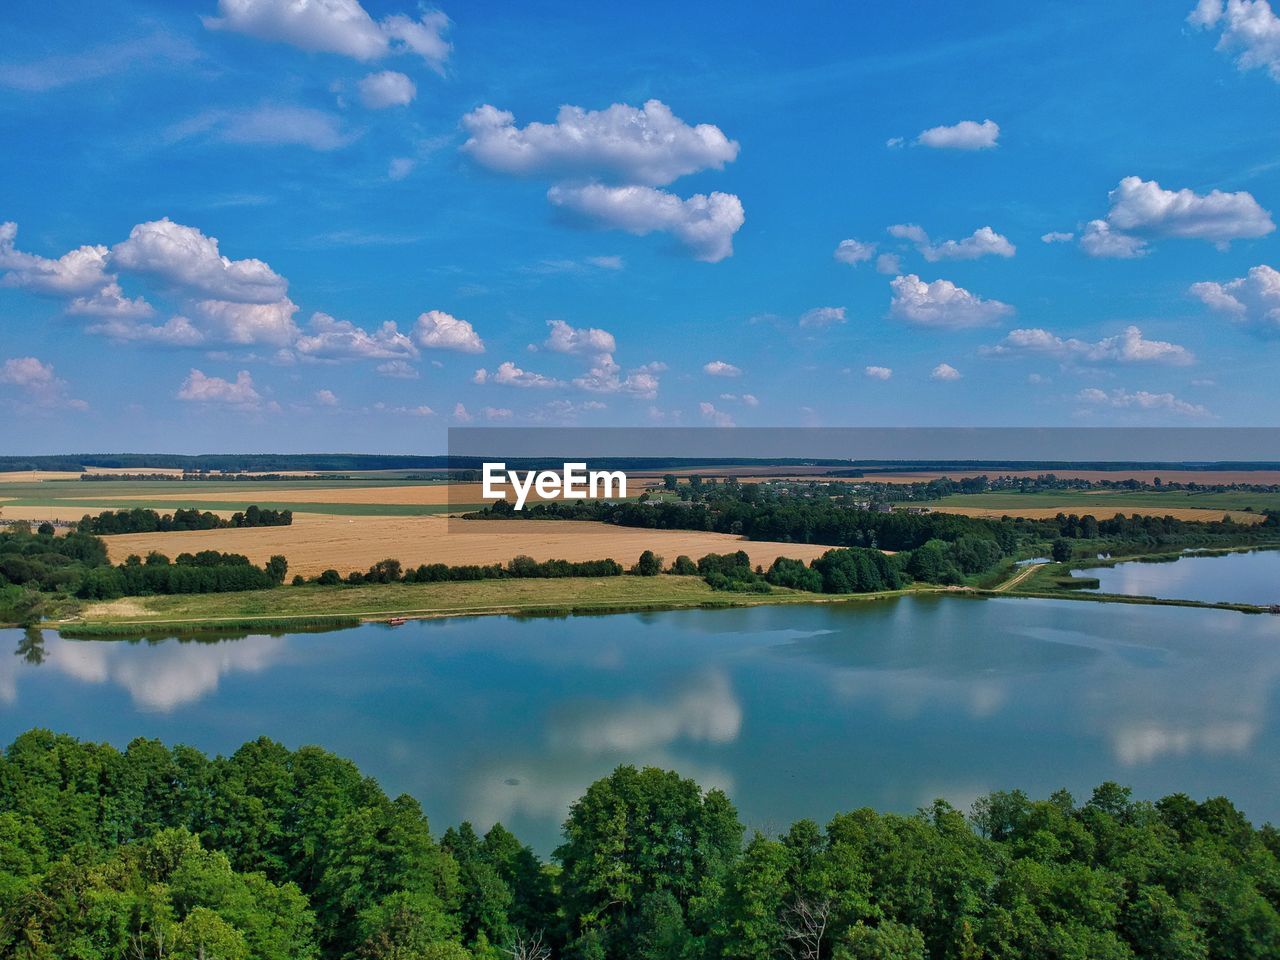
x,y
1106,503
316,543
1147,476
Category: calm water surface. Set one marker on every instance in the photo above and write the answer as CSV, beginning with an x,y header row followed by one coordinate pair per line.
x,y
797,710
1252,577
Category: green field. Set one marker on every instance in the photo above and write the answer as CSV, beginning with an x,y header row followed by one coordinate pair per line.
x,y
314,603
1108,503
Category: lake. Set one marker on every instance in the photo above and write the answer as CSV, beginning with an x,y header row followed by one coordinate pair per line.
x,y
798,710
1246,577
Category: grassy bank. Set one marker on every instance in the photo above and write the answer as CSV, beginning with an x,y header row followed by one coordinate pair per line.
x,y
314,605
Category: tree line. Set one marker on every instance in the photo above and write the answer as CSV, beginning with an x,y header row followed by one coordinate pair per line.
x,y
277,854
143,520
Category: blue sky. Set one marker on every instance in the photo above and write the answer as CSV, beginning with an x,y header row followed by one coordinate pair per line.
x,y
608,214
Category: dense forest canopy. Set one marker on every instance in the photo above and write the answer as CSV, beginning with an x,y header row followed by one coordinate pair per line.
x,y
277,854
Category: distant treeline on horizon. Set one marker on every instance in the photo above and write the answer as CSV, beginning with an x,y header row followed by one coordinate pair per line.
x,y
332,462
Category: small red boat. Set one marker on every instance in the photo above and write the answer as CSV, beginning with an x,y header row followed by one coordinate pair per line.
x,y
396,621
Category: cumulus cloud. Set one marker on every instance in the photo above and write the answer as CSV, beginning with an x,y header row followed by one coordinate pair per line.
x,y
37,385
889,264
110,302
335,26
717,418
965,135
620,145
878,373
1250,30
1253,300
605,376
718,368
944,372
248,323
1057,236
822,317
332,339
1140,400
437,330
325,398
184,258
942,304
398,370
80,276
608,164
1127,347
240,393
854,252
1141,209
983,242
174,332
566,339
387,89
705,224
508,374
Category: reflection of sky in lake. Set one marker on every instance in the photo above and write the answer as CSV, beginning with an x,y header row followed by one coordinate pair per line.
x,y
1252,577
796,711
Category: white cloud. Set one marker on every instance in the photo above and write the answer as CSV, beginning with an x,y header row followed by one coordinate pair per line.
x,y
438,330
38,385
79,275
717,418
332,339
1127,347
199,388
1252,300
421,410
567,339
965,135
1141,400
248,323
942,304
718,368
81,271
983,242
622,144
609,262
496,413
174,332
185,258
398,370
944,372
387,89
268,124
1057,236
705,224
326,398
605,377
400,167
854,252
460,414
1142,208
1099,240
878,373
335,26
1248,26
822,317
110,301
508,374
889,264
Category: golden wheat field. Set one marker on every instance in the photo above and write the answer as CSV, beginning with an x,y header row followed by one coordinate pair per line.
x,y
315,543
